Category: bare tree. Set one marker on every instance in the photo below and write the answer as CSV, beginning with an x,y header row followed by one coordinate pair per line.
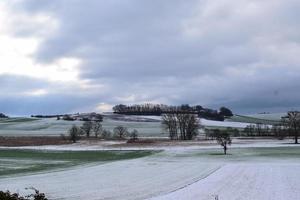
x,y
74,133
258,127
87,127
97,128
106,134
134,136
294,123
169,121
120,132
192,126
223,138
182,123
187,124
279,130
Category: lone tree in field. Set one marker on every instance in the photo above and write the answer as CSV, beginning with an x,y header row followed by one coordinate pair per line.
x,y
87,127
223,138
294,123
74,133
120,132
97,128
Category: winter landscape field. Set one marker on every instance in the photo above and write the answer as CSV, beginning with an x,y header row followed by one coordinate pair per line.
x,y
265,168
253,170
149,100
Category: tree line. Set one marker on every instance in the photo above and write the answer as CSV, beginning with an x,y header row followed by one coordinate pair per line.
x,y
160,109
95,128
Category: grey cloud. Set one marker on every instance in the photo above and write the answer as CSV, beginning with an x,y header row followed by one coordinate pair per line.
x,y
235,53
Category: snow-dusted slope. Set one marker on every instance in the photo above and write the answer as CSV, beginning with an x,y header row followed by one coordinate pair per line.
x,y
259,181
178,173
130,179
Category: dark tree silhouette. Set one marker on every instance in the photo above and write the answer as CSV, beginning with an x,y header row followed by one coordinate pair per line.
x,y
159,109
120,132
74,133
225,112
97,128
169,122
223,138
186,124
134,136
294,123
87,128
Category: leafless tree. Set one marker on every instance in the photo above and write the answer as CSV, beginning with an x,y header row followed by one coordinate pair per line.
x,y
280,130
74,133
97,128
134,136
294,123
169,121
87,128
192,126
258,127
223,138
187,124
106,134
120,132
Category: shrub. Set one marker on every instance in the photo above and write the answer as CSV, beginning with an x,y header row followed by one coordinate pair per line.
x,y
7,195
133,136
74,133
106,134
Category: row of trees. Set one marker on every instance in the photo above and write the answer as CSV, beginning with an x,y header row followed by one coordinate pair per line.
x,y
288,127
159,109
93,127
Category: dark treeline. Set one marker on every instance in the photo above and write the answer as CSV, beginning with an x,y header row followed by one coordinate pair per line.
x,y
72,117
159,109
47,116
3,115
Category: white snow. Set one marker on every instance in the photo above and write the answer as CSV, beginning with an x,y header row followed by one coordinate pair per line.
x,y
130,179
259,181
176,173
206,122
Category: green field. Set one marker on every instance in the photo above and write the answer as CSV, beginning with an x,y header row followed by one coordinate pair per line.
x,y
32,161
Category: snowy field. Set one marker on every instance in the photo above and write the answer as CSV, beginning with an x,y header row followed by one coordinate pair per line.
x,y
53,127
250,171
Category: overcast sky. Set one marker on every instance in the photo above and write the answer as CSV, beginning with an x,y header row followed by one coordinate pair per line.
x,y
59,56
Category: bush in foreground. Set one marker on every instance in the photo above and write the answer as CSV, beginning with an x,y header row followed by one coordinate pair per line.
x,y
7,195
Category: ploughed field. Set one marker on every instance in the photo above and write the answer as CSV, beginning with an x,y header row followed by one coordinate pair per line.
x,y
176,173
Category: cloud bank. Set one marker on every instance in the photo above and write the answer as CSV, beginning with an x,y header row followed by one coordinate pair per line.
x,y
61,56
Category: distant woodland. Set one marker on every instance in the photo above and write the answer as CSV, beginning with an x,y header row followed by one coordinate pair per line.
x,y
159,109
